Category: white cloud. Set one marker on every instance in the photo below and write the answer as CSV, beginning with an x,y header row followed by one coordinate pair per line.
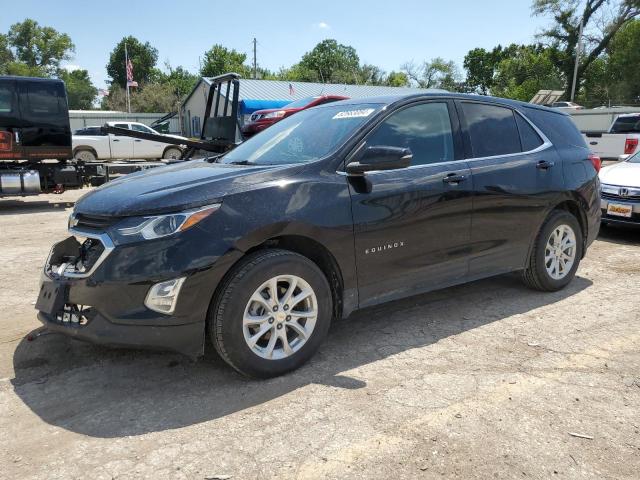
x,y
70,67
323,26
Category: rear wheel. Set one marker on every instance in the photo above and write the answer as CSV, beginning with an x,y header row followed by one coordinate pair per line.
x,y
272,313
172,153
85,156
556,253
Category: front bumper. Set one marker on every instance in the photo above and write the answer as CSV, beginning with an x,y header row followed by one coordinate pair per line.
x,y
106,306
633,221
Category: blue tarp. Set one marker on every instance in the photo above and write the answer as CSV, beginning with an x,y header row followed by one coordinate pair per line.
x,y
249,106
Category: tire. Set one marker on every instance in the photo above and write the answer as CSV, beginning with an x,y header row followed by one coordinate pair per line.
x,y
172,153
84,155
237,338
541,273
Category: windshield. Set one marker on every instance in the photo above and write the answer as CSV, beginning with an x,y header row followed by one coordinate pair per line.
x,y
304,137
303,102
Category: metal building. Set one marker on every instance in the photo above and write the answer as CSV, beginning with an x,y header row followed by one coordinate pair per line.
x,y
259,94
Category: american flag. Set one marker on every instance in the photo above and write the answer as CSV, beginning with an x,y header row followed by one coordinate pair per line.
x,y
292,91
130,82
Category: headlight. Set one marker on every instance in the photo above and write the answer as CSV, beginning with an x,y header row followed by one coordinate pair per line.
x,y
278,114
134,229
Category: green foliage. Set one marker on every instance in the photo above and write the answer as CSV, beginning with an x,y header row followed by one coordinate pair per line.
x,y
40,49
328,62
622,63
397,79
143,58
179,80
80,91
524,71
219,60
601,20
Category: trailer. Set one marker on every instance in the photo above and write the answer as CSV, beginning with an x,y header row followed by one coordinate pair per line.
x,y
35,137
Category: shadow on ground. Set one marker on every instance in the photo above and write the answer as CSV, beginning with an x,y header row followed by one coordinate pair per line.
x,y
113,393
11,207
619,235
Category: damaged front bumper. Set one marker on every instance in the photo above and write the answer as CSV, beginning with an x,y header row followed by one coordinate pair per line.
x,y
91,290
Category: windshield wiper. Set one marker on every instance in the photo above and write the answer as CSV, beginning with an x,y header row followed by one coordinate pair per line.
x,y
242,162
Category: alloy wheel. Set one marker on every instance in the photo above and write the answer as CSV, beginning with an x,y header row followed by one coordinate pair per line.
x,y
560,252
280,317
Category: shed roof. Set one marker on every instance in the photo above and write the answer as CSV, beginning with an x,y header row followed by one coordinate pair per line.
x,y
251,89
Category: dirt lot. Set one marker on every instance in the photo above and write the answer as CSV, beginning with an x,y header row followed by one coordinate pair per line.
x,y
487,380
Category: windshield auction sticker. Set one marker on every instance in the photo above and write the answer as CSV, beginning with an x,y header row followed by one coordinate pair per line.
x,y
365,112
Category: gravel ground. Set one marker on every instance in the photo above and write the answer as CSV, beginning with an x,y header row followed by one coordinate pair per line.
x,y
486,380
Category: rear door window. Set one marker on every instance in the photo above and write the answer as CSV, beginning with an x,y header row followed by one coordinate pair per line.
x,y
492,129
141,128
45,99
528,136
425,129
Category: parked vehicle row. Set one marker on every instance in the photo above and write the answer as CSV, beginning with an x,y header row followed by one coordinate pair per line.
x,y
337,208
620,141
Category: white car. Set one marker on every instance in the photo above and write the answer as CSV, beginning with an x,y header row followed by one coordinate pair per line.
x,y
90,144
567,105
620,192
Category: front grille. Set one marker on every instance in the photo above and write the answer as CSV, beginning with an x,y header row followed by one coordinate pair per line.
x,y
613,196
94,222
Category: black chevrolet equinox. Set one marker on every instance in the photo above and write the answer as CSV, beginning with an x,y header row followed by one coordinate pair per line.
x,y
331,210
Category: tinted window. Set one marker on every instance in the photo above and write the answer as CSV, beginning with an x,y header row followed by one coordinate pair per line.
x,y
425,129
528,136
89,131
492,129
45,99
558,127
122,125
626,125
6,98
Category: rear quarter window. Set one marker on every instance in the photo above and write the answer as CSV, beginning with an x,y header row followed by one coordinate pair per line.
x,y
558,127
6,98
45,99
528,136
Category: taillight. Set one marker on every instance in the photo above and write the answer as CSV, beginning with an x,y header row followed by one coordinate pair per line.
x,y
6,141
595,161
630,146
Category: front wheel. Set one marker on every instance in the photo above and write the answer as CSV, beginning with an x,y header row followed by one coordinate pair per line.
x,y
556,253
272,313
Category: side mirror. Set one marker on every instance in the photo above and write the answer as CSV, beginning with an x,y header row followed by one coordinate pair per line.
x,y
380,158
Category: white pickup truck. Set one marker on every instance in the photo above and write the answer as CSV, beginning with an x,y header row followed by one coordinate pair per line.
x,y
620,141
90,144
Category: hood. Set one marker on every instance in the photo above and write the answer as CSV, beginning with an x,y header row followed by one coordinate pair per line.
x,y
283,109
173,188
624,174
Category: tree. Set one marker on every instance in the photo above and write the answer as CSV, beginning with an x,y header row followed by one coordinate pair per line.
x,y
219,60
80,91
602,19
480,65
330,62
397,79
155,97
437,73
180,81
621,67
524,71
6,55
39,49
143,59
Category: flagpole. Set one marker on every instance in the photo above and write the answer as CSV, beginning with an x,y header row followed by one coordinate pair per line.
x,y
126,65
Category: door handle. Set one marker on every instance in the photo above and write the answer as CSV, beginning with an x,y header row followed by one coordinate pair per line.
x,y
544,165
116,140
454,179
137,140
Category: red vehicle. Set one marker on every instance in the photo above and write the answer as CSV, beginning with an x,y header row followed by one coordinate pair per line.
x,y
262,119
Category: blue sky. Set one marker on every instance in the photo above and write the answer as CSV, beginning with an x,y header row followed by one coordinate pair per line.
x,y
384,33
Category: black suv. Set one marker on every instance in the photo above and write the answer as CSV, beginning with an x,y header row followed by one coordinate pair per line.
x,y
336,208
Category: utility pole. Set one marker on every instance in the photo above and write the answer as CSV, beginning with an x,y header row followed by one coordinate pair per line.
x,y
255,61
577,65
